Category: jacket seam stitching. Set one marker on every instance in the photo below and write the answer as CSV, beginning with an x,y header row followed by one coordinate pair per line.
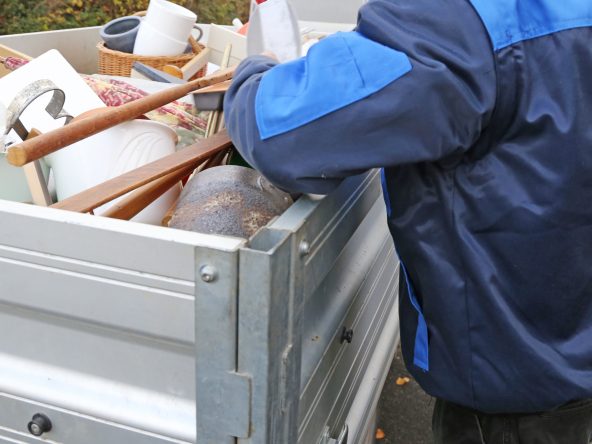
x,y
495,65
548,29
462,262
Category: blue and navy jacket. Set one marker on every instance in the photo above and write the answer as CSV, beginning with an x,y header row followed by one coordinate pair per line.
x,y
479,112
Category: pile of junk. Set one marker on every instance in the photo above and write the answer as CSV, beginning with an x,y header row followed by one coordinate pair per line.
x,y
179,297
144,139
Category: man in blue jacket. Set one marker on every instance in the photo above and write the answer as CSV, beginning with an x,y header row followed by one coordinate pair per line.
x,y
479,112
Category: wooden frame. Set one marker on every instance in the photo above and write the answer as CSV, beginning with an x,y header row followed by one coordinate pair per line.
x,y
5,51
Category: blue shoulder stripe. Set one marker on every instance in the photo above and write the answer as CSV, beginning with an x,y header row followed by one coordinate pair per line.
x,y
339,70
511,21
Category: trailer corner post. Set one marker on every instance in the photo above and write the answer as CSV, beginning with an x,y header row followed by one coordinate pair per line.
x,y
270,336
223,396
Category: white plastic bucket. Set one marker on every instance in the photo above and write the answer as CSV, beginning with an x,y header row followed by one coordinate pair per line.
x,y
173,20
151,42
112,153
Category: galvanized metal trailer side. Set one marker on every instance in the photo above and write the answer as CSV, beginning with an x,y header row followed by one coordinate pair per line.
x,y
109,328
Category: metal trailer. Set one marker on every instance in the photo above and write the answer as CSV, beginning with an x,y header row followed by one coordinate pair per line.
x,y
125,333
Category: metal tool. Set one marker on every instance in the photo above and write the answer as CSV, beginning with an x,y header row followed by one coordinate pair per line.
x,y
23,99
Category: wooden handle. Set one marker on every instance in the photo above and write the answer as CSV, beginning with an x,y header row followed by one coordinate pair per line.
x,y
30,150
144,196
101,194
219,87
217,77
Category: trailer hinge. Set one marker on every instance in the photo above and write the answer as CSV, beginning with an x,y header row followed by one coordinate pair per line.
x,y
232,401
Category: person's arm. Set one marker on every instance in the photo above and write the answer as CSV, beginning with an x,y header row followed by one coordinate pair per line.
x,y
415,83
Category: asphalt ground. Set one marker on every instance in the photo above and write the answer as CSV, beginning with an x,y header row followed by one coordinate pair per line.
x,y
406,410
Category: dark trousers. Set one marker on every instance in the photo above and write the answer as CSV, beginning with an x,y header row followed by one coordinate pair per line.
x,y
569,424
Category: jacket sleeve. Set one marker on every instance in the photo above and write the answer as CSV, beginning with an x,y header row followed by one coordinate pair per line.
x,y
414,83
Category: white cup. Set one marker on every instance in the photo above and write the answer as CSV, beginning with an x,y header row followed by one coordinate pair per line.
x,y
151,42
173,20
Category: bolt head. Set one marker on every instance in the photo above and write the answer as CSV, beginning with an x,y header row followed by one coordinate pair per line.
x,y
208,273
39,424
304,248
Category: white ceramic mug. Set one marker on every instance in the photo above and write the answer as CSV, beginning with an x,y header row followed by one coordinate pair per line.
x,y
173,20
151,42
112,153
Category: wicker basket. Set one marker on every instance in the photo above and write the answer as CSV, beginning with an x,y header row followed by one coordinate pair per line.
x,y
116,63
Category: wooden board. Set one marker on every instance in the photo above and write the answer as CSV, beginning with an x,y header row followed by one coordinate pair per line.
x,y
196,63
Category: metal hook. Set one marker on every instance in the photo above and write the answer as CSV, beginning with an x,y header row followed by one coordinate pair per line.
x,y
27,96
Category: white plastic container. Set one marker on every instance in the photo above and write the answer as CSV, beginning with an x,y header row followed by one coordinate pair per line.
x,y
152,42
13,182
112,153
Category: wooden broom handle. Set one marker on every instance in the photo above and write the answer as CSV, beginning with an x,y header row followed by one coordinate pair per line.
x,y
107,191
50,142
133,204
